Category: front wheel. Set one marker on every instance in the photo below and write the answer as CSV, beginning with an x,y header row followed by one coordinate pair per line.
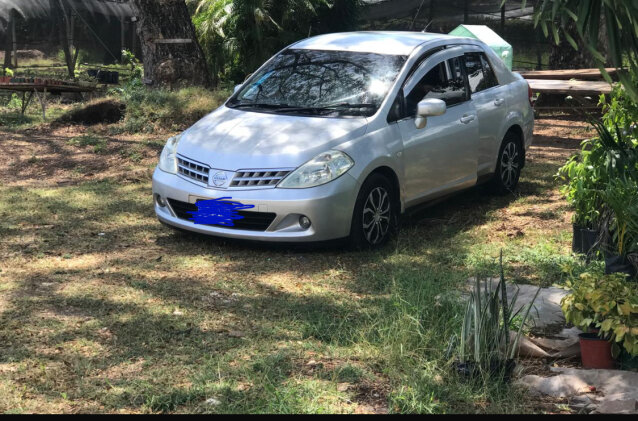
x,y
375,214
509,165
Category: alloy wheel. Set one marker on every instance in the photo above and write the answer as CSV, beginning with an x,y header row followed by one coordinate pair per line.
x,y
510,165
377,213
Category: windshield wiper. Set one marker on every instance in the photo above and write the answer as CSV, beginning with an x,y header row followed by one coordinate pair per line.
x,y
260,105
329,108
348,105
295,109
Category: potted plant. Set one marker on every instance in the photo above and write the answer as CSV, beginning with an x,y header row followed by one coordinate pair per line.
x,y
621,225
486,347
609,302
582,190
593,181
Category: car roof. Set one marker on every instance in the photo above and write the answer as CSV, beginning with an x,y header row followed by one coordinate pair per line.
x,y
381,42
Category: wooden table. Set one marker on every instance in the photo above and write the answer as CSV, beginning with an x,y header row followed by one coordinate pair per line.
x,y
41,90
578,74
585,92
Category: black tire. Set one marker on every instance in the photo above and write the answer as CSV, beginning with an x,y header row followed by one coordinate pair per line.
x,y
375,216
509,165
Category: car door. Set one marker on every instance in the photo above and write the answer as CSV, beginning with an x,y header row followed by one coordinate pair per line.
x,y
490,100
442,157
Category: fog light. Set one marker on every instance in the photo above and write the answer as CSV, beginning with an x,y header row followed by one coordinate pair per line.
x,y
304,222
161,202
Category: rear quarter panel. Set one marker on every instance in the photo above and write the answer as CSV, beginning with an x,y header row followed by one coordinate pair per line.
x,y
521,110
519,113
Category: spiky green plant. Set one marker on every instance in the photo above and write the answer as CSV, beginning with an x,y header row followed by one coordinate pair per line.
x,y
485,334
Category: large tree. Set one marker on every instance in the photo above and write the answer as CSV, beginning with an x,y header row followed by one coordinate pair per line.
x,y
172,54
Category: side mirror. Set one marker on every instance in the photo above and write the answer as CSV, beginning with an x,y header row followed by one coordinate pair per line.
x,y
428,108
237,87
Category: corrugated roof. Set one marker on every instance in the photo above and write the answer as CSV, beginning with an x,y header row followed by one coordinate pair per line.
x,y
39,8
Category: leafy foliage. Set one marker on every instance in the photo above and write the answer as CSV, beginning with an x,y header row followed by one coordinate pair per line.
x,y
609,156
609,302
242,34
128,58
620,19
621,201
602,181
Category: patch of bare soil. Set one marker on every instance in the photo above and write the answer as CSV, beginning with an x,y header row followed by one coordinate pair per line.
x,y
559,137
52,157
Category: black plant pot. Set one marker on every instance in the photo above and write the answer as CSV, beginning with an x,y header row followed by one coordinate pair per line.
x,y
627,361
589,241
618,264
498,368
577,240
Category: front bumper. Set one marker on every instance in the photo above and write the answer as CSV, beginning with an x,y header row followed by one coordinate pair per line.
x,y
329,208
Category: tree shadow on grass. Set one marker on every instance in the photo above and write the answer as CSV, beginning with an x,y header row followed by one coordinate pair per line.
x,y
44,323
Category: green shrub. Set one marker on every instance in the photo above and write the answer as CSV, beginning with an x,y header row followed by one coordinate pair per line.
x,y
610,303
149,110
595,178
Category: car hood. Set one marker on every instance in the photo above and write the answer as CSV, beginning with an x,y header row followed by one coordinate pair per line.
x,y
231,140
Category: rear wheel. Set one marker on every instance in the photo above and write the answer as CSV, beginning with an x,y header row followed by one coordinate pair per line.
x,y
375,214
509,165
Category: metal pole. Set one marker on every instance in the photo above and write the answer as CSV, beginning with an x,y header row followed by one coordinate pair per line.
x,y
466,11
122,34
15,41
502,20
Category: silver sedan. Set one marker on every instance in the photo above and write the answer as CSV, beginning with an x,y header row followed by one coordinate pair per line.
x,y
337,135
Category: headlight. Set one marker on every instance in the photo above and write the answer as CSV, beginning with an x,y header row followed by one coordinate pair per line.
x,y
321,170
168,158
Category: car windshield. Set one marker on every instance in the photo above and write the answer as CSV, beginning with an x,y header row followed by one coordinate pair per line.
x,y
326,83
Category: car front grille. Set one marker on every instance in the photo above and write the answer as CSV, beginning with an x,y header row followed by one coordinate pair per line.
x,y
258,178
253,221
193,170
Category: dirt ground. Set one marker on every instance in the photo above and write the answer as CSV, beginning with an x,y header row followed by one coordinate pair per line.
x,y
102,309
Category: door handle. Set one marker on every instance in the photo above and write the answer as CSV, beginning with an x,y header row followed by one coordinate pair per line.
x,y
499,101
468,118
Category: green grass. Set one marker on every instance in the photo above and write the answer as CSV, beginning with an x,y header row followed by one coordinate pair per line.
x,y
11,118
99,144
102,309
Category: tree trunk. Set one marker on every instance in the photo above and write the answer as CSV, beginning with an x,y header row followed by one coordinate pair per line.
x,y
172,54
65,18
9,47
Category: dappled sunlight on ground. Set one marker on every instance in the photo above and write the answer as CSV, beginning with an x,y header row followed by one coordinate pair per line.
x,y
104,309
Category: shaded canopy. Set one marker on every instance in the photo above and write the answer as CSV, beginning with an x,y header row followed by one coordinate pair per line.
x,y
42,8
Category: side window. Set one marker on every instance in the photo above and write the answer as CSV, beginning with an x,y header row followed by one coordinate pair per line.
x,y
479,72
475,74
490,76
445,81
